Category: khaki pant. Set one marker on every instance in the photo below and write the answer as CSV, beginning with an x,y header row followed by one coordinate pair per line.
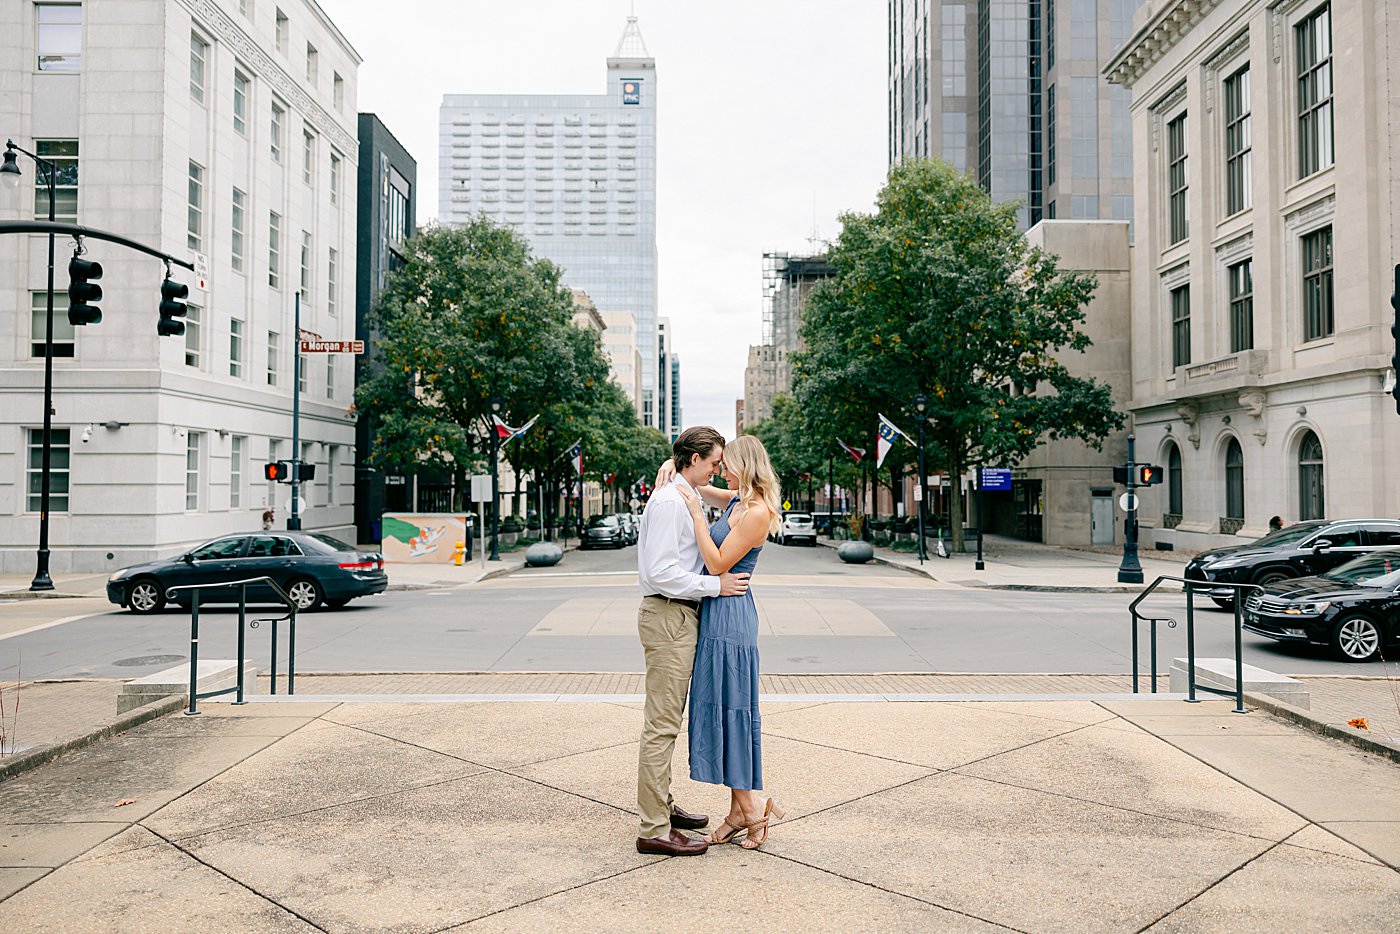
x,y
668,632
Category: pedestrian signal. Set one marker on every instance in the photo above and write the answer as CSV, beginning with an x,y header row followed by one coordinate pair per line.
x,y
1120,475
1149,474
278,472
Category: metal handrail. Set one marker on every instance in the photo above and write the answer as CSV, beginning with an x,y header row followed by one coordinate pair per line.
x,y
242,586
1190,587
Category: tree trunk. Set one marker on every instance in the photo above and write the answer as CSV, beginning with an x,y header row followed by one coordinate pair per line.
x,y
955,500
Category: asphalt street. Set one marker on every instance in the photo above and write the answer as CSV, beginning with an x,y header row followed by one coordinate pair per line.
x,y
817,616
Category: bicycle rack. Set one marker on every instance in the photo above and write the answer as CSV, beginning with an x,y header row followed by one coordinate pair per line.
x,y
1190,587
242,586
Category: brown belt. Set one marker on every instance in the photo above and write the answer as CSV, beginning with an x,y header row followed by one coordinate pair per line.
x,y
693,604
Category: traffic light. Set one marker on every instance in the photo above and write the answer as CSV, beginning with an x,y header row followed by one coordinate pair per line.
x,y
82,292
278,471
1395,332
171,309
1148,474
1120,475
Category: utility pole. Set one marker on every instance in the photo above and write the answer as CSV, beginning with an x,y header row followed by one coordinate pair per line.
x,y
1130,571
294,513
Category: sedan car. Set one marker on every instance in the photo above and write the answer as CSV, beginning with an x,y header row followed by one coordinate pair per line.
x,y
1354,609
309,566
603,532
1305,549
797,527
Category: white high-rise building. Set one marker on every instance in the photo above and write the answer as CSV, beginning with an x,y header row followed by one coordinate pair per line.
x,y
193,126
576,174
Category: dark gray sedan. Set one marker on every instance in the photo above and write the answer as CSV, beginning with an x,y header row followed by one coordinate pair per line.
x,y
310,567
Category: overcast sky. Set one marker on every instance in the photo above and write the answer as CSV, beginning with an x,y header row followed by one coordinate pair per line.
x,y
770,113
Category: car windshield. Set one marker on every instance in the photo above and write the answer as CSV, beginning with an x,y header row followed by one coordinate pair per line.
x,y
600,521
1381,569
1290,535
331,541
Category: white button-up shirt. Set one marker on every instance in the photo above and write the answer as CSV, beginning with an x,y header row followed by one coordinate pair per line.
x,y
668,557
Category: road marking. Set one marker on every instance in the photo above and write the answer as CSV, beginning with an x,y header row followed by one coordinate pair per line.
x,y
51,624
524,574
777,616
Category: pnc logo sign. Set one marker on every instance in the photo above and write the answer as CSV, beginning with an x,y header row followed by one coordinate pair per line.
x,y
631,91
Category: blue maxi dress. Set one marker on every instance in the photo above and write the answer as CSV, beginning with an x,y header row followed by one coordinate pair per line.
x,y
725,742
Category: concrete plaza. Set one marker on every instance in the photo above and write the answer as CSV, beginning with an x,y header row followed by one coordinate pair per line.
x,y
1047,816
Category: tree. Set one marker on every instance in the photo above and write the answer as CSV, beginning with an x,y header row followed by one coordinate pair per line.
x,y
938,294
792,445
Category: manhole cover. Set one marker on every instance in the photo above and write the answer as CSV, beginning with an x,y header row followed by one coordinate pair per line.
x,y
143,660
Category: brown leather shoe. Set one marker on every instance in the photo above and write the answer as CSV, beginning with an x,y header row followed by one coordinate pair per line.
x,y
673,844
687,821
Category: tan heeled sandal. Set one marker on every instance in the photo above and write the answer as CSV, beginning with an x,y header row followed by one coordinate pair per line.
x,y
753,841
715,839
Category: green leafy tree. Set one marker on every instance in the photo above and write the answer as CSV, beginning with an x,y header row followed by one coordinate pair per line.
x,y
938,294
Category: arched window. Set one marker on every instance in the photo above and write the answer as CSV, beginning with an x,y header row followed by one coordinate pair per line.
x,y
1311,503
1174,483
1234,485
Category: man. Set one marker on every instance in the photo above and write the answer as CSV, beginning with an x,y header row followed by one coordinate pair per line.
x,y
669,567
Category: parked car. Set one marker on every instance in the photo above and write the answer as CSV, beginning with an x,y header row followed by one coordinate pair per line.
x,y
1304,549
797,527
310,567
1354,609
630,526
603,532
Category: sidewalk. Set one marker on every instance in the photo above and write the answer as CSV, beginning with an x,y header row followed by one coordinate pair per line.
x,y
1012,564
1046,816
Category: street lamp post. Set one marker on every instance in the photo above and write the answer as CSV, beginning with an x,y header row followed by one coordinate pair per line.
x,y
920,407
10,176
495,484
1130,570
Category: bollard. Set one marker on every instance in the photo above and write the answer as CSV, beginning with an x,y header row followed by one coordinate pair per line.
x,y
194,655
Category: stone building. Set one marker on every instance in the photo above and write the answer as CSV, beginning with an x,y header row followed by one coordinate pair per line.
x,y
1267,190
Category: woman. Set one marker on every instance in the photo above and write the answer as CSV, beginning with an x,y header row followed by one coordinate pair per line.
x,y
725,740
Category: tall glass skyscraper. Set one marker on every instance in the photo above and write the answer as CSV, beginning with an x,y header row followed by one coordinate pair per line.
x,y
576,174
1010,90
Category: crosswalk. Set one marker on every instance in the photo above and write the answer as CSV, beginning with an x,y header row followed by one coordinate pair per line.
x,y
778,615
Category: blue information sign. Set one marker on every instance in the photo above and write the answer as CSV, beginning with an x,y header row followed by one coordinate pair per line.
x,y
996,478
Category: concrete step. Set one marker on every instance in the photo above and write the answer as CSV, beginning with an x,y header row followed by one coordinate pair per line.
x,y
1220,673
213,674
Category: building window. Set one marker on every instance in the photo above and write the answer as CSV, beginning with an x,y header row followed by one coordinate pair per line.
x,y
306,266
338,91
279,119
59,451
1049,34
311,64
1174,481
1176,180
1234,484
274,250
301,370
235,348
192,338
330,376
237,445
1050,135
272,357
1312,502
1238,143
335,179
60,36
332,461
196,212
308,156
1317,285
280,30
1314,51
237,222
63,331
1241,306
192,445
199,58
332,260
241,92
1181,326
63,155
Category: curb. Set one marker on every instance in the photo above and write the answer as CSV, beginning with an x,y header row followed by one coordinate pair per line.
x,y
37,757
1322,728
46,595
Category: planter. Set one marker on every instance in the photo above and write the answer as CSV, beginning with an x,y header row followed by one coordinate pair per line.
x,y
511,537
543,555
855,552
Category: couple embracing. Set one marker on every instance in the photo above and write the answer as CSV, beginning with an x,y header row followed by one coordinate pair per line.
x,y
699,631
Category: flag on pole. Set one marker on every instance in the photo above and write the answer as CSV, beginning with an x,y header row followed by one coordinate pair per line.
x,y
576,456
857,454
887,435
507,433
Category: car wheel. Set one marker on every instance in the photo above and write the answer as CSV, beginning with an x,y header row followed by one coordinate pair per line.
x,y
304,593
1223,603
1272,577
1356,639
338,603
145,596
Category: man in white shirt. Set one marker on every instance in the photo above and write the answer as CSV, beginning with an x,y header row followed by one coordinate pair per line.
x,y
669,567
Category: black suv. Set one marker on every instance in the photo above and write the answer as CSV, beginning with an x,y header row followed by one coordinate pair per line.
x,y
1305,549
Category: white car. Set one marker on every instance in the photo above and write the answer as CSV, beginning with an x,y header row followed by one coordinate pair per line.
x,y
797,527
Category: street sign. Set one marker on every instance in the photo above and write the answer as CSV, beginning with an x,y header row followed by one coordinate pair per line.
x,y
201,272
301,504
996,479
481,487
787,504
634,502
324,346
918,493
1128,502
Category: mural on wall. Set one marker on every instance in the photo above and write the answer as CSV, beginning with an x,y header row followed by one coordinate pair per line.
x,y
422,538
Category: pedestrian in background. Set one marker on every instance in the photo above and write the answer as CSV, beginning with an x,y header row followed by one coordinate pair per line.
x,y
1275,523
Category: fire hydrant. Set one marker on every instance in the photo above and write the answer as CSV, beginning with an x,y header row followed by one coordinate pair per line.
x,y
457,552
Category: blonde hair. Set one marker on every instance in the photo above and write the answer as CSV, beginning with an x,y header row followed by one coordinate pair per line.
x,y
748,460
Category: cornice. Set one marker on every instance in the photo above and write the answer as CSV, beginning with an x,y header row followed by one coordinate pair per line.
x,y
1155,39
213,18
